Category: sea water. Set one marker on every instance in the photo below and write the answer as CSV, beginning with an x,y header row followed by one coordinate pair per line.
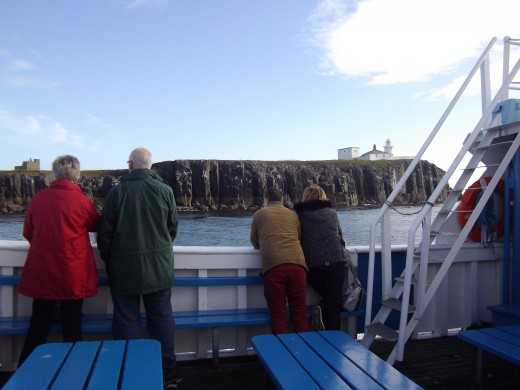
x,y
232,228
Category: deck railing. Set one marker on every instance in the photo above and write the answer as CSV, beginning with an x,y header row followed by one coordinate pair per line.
x,y
458,305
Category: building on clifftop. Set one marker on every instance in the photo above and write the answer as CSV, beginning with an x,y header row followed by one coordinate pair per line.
x,y
30,165
352,153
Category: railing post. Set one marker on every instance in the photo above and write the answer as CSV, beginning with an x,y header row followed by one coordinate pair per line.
x,y
505,63
386,257
485,87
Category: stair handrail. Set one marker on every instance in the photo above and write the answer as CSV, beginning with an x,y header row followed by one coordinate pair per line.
x,y
469,141
386,206
425,213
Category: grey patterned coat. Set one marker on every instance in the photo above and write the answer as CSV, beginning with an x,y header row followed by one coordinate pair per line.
x,y
321,235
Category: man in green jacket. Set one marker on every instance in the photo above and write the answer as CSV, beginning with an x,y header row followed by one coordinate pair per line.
x,y
137,228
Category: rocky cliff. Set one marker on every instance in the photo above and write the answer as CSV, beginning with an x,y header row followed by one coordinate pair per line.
x,y
232,185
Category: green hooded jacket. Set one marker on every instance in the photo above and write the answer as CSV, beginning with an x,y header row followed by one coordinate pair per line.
x,y
137,228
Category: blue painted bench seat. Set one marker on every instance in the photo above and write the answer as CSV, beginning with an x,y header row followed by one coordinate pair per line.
x,y
102,323
502,341
107,365
508,314
325,360
198,319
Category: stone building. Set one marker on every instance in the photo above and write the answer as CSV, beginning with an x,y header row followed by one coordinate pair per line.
x,y
29,166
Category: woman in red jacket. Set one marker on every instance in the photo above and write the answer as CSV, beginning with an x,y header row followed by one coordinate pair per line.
x,y
60,265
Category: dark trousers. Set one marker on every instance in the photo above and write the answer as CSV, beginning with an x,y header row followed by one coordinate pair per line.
x,y
286,283
160,324
327,280
41,319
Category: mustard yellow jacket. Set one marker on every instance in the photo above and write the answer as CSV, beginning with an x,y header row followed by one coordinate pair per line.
x,y
275,230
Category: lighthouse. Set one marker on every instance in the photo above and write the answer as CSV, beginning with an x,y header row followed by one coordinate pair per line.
x,y
389,148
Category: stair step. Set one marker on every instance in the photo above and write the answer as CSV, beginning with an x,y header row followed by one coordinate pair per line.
x,y
497,145
415,281
454,190
480,166
439,233
431,257
396,304
400,279
383,331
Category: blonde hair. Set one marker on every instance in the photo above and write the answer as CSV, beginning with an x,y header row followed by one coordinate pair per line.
x,y
314,192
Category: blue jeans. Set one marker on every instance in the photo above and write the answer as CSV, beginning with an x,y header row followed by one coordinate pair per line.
x,y
160,324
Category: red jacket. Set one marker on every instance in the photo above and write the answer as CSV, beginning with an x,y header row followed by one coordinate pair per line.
x,y
60,263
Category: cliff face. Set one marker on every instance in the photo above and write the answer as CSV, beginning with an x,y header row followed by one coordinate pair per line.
x,y
221,185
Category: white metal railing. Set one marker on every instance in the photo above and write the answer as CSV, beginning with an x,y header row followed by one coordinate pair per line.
x,y
424,216
456,307
383,216
423,297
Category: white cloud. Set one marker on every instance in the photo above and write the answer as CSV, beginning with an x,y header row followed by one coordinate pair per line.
x,y
140,3
17,72
402,41
19,65
40,131
17,80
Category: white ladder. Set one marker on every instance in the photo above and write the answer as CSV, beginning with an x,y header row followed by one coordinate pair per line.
x,y
481,143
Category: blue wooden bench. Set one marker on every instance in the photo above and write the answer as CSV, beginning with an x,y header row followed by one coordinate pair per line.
x,y
197,319
508,314
107,365
325,360
502,341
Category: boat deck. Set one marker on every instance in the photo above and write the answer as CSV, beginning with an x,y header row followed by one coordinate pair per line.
x,y
439,363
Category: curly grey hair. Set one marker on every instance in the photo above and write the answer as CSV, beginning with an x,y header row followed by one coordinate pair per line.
x,y
66,167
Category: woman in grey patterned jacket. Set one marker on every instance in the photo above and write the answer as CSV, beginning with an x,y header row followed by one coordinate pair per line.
x,y
322,243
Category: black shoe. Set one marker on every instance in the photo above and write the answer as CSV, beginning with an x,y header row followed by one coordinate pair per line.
x,y
317,320
171,380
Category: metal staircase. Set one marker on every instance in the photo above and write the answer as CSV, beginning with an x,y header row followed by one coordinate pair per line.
x,y
490,148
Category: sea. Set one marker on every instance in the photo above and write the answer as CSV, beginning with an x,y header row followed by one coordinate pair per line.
x,y
232,228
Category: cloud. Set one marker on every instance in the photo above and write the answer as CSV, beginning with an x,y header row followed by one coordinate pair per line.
x,y
383,42
129,4
40,131
19,65
17,72
27,81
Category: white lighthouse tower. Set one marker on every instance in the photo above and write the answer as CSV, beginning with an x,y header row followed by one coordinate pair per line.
x,y
389,148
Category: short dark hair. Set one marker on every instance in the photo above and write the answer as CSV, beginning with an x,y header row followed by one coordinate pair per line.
x,y
273,194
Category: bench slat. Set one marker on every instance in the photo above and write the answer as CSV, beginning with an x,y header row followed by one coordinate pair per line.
x,y
218,281
490,343
40,368
510,334
285,371
386,375
102,323
345,368
108,366
144,357
14,280
322,373
76,369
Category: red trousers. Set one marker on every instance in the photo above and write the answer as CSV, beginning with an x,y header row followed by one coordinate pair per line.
x,y
286,283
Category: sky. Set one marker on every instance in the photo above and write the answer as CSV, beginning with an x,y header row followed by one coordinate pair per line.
x,y
240,79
